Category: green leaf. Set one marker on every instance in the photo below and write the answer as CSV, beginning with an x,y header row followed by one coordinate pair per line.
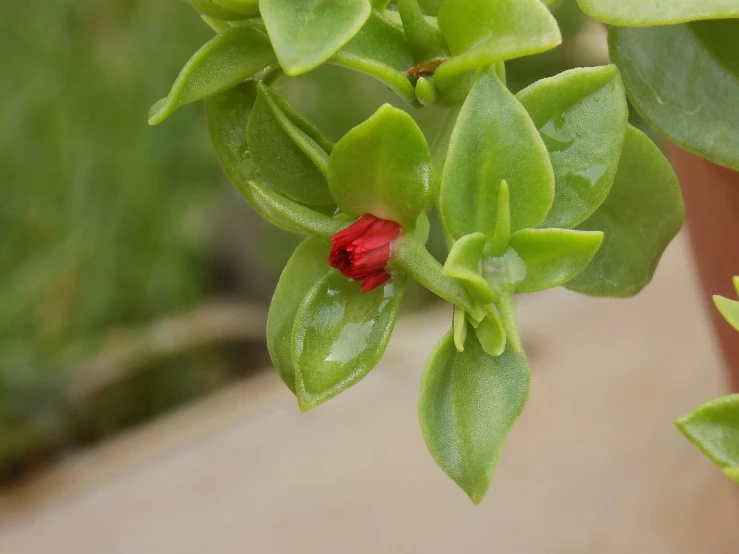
x,y
684,80
553,256
729,309
227,115
224,62
465,263
287,214
246,7
714,429
468,404
424,38
491,334
480,33
640,217
381,51
426,92
382,167
581,115
732,473
307,266
306,33
340,334
211,9
285,151
646,13
459,328
494,140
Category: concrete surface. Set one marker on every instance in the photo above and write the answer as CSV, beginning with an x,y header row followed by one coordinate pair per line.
x,y
593,466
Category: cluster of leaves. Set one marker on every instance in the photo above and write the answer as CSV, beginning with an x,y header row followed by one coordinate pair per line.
x,y
680,68
714,427
549,187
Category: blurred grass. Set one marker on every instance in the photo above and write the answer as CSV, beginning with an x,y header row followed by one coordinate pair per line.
x,y
103,220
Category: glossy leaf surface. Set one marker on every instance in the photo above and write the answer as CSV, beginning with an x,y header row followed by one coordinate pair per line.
x,y
553,256
340,334
306,33
714,428
381,51
468,404
581,115
284,151
382,167
684,80
288,214
645,13
494,140
640,217
227,115
306,267
480,33
224,62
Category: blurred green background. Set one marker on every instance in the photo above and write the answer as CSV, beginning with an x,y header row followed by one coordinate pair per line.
x,y
109,226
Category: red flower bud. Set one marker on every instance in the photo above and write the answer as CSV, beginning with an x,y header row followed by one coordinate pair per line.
x,y
362,250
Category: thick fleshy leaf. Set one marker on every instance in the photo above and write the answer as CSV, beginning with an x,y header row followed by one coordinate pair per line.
x,y
431,7
246,7
227,115
729,309
306,33
464,262
480,33
645,13
382,167
469,402
640,217
684,80
732,473
307,266
494,140
714,428
491,334
288,214
285,151
553,256
426,92
211,9
224,62
582,115
381,51
340,334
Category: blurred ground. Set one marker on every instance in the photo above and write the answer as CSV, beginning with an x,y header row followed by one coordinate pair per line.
x,y
594,465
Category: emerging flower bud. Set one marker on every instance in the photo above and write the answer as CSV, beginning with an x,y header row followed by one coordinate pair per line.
x,y
362,250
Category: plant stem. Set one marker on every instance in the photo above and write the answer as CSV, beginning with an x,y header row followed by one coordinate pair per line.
x,y
412,258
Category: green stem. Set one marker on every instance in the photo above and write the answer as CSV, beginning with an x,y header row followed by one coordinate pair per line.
x,y
412,258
